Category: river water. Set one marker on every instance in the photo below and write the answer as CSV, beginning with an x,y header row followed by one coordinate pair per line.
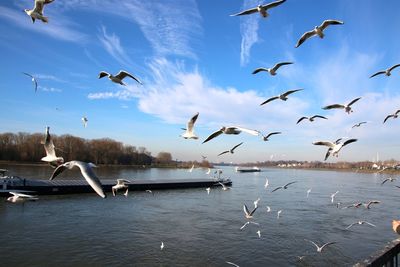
x,y
198,229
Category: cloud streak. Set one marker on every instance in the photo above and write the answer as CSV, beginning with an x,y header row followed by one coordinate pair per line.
x,y
248,30
111,43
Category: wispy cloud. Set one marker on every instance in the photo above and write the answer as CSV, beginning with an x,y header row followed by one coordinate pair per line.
x,y
111,43
49,89
59,28
48,77
248,30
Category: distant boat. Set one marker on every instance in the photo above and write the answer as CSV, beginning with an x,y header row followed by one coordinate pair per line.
x,y
253,169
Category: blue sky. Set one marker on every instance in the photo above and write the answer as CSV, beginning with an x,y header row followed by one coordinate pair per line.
x,y
193,57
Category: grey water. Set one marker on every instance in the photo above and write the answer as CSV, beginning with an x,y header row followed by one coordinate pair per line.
x,y
198,229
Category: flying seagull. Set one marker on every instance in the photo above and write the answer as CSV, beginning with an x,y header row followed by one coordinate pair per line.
x,y
390,179
189,131
335,147
265,137
359,124
394,116
284,186
247,223
119,77
308,192
256,202
87,173
162,245
84,121
247,213
224,187
208,189
262,9
37,11
360,223
318,30
278,214
120,185
368,205
272,70
333,196
21,197
266,183
258,233
231,130
33,80
319,249
49,147
311,118
231,150
281,96
386,72
347,108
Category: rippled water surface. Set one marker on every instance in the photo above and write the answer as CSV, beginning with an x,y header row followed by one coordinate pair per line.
x,y
199,229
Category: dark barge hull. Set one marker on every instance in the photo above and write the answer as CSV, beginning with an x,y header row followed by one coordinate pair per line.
x,y
60,187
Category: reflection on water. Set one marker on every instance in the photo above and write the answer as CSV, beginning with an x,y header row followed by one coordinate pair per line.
x,y
199,229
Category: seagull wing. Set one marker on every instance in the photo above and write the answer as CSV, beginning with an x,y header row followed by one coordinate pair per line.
x,y
369,223
334,106
302,118
328,22
246,12
327,154
384,181
213,135
319,116
246,210
39,5
372,202
351,225
258,70
58,171
349,141
312,243
291,92
269,100
103,74
387,117
304,37
324,143
33,80
273,4
90,177
252,212
280,187
327,244
286,185
249,131
233,148
22,195
273,133
227,151
378,73
393,67
354,101
278,65
191,122
244,225
231,263
122,74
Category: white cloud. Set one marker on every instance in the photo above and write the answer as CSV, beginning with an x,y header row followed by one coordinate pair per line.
x,y
111,43
49,89
248,30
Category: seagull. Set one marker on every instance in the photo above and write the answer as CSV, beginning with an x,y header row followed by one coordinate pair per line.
x,y
335,147
394,115
262,9
20,197
259,233
247,223
231,263
209,170
359,222
84,121
266,183
367,205
191,169
281,96
308,192
265,137
33,80
256,203
333,196
272,70
278,214
189,131
162,245
248,214
390,179
359,124
347,108
37,11
224,187
204,157
319,249
268,209
149,191
231,130
318,30
208,189
311,119
119,77
87,172
387,72
231,150
284,186
49,147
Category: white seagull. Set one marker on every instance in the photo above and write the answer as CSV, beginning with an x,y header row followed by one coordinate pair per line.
x,y
335,147
231,150
20,197
281,96
333,196
37,11
347,108
49,147
84,121
231,130
319,249
308,192
360,222
387,72
259,233
162,245
262,9
247,223
265,137
208,171
318,30
120,185
33,80
208,189
268,209
247,213
284,186
266,183
311,119
256,202
189,131
224,187
394,115
278,214
87,173
272,70
119,77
